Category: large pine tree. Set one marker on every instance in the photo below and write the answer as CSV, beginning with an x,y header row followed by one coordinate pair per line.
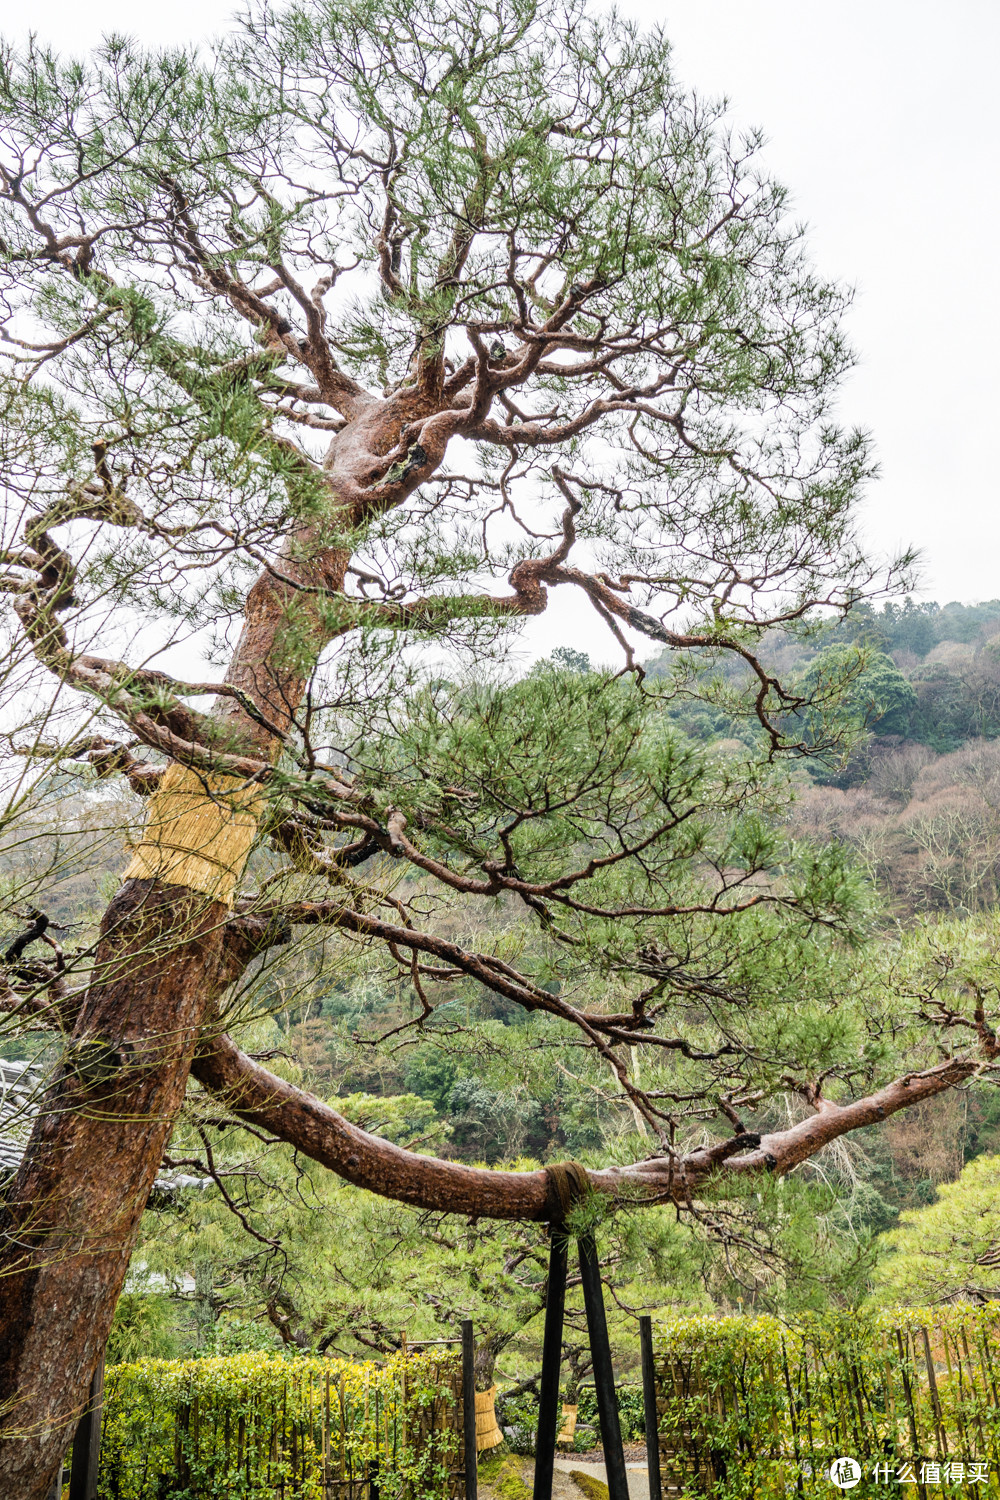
x,y
328,358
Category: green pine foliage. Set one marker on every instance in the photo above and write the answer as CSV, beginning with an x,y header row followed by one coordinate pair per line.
x,y
950,1248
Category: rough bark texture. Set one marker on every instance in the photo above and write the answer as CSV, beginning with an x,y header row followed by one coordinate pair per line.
x,y
73,1214
94,1154
262,1099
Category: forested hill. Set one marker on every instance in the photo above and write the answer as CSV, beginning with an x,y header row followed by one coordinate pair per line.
x,y
950,656
915,629
931,675
918,798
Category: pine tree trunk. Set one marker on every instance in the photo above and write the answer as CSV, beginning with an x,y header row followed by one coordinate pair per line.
x,y
95,1150
488,1351
71,1219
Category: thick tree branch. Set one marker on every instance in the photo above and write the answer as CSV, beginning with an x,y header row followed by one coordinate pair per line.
x,y
255,1094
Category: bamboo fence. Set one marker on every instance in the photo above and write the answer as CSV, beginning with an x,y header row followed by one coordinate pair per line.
x,y
753,1407
275,1429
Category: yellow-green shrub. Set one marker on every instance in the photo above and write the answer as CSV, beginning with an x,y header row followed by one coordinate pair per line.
x,y
752,1407
258,1426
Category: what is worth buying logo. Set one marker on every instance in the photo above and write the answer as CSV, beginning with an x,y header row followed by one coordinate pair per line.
x,y
845,1473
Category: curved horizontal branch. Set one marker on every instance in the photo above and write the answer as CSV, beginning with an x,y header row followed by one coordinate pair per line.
x,y
258,1096
255,1094
785,1149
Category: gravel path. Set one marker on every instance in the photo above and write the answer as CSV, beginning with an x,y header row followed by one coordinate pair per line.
x,y
563,1487
638,1479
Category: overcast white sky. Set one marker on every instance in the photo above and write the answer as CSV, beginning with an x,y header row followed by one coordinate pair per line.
x,y
881,117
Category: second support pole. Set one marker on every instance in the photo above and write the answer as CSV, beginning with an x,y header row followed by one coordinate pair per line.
x,y
548,1400
604,1375
469,1411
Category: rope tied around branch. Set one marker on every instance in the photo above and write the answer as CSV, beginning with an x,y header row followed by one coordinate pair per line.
x,y
567,1183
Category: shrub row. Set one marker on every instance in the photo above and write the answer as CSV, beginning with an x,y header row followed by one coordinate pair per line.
x,y
751,1407
263,1427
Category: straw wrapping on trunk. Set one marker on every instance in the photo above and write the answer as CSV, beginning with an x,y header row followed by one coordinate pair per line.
x,y
199,831
488,1434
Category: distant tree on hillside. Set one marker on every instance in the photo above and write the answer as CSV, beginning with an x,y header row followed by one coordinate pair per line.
x,y
864,693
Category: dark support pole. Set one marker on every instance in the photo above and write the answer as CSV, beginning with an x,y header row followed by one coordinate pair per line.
x,y
604,1375
548,1401
87,1442
373,1471
469,1411
649,1409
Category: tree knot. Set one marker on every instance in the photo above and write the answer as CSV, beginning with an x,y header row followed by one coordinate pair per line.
x,y
97,1061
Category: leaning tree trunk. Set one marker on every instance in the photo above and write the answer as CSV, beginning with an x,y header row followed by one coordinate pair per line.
x,y
75,1209
71,1219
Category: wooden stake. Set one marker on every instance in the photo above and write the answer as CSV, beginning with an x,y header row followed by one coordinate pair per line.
x,y
649,1409
469,1411
87,1442
548,1400
932,1382
604,1375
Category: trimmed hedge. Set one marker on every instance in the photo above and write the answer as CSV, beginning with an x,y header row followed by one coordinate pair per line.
x,y
264,1427
751,1407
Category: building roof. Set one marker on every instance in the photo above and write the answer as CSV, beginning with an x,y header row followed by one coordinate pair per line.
x,y
21,1087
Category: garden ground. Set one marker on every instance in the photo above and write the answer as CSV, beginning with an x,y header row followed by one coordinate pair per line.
x,y
511,1478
